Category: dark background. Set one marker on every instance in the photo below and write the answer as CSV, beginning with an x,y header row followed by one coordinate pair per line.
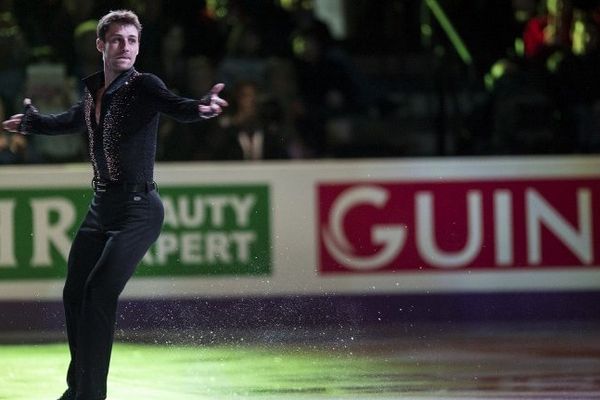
x,y
391,84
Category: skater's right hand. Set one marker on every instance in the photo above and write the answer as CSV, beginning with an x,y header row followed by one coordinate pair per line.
x,y
12,124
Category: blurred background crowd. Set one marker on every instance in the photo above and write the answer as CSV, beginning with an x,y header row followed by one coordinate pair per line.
x,y
328,78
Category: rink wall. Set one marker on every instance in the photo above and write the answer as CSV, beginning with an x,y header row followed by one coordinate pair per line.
x,y
436,234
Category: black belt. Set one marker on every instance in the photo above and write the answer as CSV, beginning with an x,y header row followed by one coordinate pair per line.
x,y
99,186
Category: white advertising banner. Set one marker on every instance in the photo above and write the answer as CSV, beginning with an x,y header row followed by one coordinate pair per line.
x,y
413,226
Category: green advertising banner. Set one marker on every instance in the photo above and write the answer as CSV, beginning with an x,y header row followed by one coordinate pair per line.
x,y
208,230
36,229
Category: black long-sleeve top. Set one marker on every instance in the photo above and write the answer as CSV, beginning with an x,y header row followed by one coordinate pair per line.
x,y
122,145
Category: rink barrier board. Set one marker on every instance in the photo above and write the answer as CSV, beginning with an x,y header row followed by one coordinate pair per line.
x,y
413,227
210,315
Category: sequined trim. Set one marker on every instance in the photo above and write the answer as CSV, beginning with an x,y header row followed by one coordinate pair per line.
x,y
113,124
88,112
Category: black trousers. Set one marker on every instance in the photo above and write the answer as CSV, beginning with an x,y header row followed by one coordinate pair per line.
x,y
118,229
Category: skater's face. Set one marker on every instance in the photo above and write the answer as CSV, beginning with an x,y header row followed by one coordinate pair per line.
x,y
120,47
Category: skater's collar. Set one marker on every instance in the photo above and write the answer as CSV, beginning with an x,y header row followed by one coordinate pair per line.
x,y
96,81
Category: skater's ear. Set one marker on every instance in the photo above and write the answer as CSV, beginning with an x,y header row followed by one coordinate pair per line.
x,y
100,45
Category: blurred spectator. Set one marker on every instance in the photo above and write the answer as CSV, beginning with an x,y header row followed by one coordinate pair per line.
x,y
47,85
267,22
172,61
244,58
50,26
13,53
281,87
79,10
151,13
199,76
63,41
543,97
548,31
329,84
181,142
536,104
13,147
523,116
577,85
204,35
252,131
244,39
88,60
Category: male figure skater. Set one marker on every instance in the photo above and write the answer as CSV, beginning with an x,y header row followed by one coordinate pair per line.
x,y
120,112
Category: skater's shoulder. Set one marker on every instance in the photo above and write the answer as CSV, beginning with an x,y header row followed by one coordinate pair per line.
x,y
149,79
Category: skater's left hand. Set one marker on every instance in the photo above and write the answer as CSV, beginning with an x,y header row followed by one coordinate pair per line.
x,y
212,105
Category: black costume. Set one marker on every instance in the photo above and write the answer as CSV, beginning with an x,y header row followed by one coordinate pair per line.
x,y
125,214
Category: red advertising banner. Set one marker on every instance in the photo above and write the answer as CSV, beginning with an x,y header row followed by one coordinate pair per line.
x,y
412,226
